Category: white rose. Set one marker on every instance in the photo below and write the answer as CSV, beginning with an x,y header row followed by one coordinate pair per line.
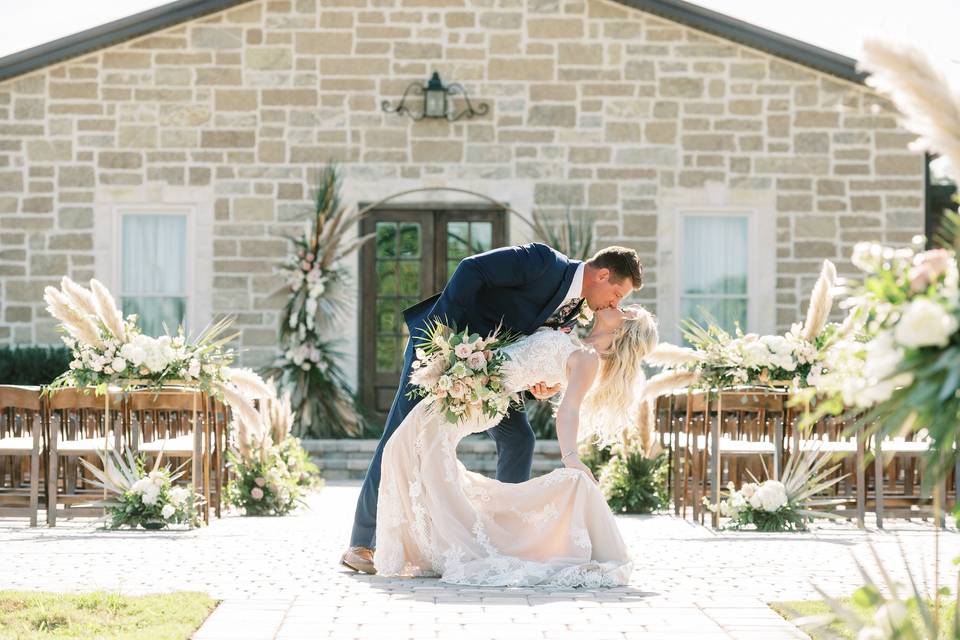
x,y
476,360
925,323
463,350
118,364
168,511
194,368
748,489
771,497
756,500
151,493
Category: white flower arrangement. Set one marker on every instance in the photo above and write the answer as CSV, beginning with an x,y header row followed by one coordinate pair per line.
x,y
110,350
780,505
143,498
721,360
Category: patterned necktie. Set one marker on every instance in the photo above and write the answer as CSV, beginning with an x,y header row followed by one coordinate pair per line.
x,y
566,316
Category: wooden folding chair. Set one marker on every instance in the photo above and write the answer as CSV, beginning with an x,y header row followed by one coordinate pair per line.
x,y
80,424
832,436
900,461
21,445
741,426
178,424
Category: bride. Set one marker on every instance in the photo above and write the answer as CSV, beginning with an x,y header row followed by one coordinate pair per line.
x,y
436,518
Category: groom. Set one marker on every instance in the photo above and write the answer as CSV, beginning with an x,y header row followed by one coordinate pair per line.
x,y
522,288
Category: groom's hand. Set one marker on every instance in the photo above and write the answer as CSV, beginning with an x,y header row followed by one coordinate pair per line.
x,y
541,391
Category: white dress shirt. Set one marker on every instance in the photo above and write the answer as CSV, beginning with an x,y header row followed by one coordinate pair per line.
x,y
576,287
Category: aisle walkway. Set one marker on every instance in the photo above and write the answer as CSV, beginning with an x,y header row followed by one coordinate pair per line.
x,y
279,578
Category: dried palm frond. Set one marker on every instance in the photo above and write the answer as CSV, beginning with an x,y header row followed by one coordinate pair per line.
x,y
670,355
930,106
248,382
80,297
76,323
807,475
107,310
821,301
666,382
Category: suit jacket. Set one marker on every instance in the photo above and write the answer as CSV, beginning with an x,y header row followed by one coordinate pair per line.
x,y
518,287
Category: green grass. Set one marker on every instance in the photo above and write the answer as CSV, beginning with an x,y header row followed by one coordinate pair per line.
x,y
837,631
107,616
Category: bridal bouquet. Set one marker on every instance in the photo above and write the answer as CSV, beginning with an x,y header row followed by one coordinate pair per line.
x,y
460,372
110,349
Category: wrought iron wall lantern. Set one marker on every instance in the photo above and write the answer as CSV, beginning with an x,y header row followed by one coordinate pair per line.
x,y
436,101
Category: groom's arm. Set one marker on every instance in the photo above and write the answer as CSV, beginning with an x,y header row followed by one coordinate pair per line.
x,y
507,267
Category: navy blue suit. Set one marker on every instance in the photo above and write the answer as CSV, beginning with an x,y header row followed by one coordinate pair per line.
x,y
518,287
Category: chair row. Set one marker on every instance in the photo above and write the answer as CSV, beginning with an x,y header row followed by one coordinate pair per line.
x,y
53,431
718,437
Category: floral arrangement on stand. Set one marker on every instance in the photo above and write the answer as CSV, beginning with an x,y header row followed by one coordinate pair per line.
x,y
460,373
320,295
108,349
905,373
720,360
784,505
143,498
271,471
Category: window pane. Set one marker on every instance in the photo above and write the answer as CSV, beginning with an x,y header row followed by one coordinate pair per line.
x,y
481,236
386,354
387,278
715,255
727,313
409,278
387,315
386,239
154,255
458,238
410,240
153,313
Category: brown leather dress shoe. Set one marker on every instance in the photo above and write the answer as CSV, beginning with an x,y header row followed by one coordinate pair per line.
x,y
359,559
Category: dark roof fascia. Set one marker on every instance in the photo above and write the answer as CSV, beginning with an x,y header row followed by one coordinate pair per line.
x,y
167,15
84,42
752,36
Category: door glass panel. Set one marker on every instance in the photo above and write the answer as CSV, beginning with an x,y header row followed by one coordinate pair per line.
x,y
714,285
465,239
397,272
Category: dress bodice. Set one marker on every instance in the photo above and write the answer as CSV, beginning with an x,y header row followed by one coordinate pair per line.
x,y
539,357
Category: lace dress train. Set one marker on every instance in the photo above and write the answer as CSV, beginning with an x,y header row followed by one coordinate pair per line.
x,y
436,518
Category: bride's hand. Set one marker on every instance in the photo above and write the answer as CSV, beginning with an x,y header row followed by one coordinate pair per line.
x,y
575,463
541,391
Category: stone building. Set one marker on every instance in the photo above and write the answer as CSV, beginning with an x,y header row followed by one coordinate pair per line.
x,y
186,140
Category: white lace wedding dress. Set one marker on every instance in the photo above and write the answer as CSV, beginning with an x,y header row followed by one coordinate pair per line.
x,y
436,518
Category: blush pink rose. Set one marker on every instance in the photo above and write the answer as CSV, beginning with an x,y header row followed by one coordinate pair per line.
x,y
256,493
476,360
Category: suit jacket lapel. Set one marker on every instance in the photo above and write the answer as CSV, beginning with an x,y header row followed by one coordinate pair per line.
x,y
557,298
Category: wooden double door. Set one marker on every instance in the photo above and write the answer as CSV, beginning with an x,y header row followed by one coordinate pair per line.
x,y
415,252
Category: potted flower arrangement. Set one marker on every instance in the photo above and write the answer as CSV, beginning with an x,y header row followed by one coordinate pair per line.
x,y
271,470
139,497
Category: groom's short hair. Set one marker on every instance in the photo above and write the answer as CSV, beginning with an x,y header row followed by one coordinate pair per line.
x,y
622,262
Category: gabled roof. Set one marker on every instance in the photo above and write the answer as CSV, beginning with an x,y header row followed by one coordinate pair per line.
x,y
180,11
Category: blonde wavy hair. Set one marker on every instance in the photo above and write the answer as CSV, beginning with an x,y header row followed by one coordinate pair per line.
x,y
612,407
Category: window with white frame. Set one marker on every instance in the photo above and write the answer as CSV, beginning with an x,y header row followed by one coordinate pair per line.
x,y
154,269
715,256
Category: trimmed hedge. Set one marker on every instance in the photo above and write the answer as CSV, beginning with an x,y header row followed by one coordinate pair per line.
x,y
32,365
